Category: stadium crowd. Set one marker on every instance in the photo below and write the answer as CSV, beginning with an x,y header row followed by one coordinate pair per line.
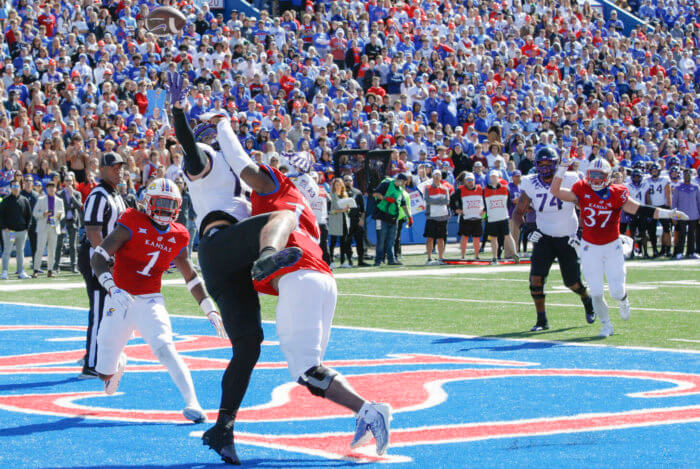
x,y
466,90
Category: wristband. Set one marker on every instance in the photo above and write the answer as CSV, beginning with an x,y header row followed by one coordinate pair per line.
x,y
664,213
194,282
561,172
101,251
106,281
207,305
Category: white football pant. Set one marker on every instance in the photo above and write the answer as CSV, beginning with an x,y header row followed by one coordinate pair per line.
x,y
606,260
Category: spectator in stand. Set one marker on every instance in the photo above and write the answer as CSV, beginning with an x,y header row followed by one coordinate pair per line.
x,y
437,213
15,216
48,212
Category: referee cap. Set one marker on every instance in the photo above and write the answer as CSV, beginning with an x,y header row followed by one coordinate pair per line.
x,y
111,158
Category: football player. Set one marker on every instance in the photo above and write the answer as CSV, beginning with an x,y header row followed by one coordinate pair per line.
x,y
307,291
637,188
229,243
659,192
555,236
601,249
143,246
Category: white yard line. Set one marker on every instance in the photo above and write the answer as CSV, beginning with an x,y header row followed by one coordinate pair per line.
x,y
471,300
685,340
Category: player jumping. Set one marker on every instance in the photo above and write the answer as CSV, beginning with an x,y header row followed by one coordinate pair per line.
x,y
555,236
143,246
601,248
307,291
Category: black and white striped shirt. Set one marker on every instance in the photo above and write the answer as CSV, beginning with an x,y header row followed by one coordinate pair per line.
x,y
103,207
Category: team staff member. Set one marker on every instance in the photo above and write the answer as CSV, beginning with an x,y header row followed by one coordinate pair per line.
x,y
686,198
357,220
32,196
102,209
15,215
468,204
73,205
48,213
390,197
437,212
497,229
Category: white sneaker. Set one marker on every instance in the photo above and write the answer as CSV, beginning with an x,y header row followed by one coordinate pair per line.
x,y
23,276
333,266
679,257
112,383
607,330
195,414
373,418
429,262
345,265
4,275
625,309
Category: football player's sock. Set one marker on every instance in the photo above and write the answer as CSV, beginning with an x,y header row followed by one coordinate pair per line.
x,y
601,308
179,373
542,317
267,251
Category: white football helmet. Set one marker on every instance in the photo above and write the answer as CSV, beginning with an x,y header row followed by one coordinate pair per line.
x,y
598,174
162,201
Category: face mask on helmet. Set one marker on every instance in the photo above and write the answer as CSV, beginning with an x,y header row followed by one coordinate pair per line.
x,y
206,133
163,210
545,169
597,179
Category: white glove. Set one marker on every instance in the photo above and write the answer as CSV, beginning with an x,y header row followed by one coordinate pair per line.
x,y
534,236
574,242
678,215
563,167
120,299
215,321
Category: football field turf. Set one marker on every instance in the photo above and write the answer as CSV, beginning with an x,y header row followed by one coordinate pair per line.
x,y
448,347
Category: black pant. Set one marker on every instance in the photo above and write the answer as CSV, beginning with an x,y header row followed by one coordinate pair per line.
x,y
684,228
549,248
357,233
345,245
31,234
638,231
397,240
96,296
72,234
324,243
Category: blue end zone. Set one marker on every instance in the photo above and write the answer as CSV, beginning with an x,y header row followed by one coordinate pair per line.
x,y
458,402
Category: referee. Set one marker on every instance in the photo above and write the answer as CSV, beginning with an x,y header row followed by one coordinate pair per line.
x,y
102,209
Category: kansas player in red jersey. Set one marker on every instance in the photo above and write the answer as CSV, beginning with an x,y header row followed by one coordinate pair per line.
x,y
601,204
306,288
143,246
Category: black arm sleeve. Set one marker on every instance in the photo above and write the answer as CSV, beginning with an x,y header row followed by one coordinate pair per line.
x,y
195,159
645,211
456,201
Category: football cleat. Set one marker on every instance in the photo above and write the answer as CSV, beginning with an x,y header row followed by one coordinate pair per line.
x,y
607,330
373,418
540,326
625,309
220,439
588,306
87,373
268,265
112,383
195,414
4,275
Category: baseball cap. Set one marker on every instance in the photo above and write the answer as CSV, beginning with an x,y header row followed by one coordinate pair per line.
x,y
111,158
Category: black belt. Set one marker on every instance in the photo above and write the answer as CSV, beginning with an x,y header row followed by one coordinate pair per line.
x,y
212,217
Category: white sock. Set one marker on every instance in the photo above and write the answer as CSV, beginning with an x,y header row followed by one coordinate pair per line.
x,y
179,373
601,308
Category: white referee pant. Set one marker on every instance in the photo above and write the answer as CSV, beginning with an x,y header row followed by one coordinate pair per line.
x,y
305,311
598,260
147,314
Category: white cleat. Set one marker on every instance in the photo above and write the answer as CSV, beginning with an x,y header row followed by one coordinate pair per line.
x,y
373,418
607,330
112,383
625,309
195,414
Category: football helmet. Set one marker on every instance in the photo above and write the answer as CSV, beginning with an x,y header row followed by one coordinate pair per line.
x,y
204,132
546,159
162,201
655,170
637,177
673,161
674,173
598,174
639,165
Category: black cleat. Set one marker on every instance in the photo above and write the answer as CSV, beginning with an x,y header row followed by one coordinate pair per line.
x,y
220,439
588,306
540,326
268,265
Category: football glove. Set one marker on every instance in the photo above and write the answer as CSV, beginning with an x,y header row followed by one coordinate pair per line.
x,y
677,215
176,88
574,242
121,300
534,236
215,321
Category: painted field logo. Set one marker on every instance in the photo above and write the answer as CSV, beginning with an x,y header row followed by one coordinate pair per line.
x,y
409,382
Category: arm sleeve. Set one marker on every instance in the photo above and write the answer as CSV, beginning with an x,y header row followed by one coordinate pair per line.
x,y
456,201
195,160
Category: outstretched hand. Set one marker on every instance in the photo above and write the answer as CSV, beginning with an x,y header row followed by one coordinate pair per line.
x,y
177,89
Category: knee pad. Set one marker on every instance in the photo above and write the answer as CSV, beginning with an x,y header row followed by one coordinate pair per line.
x,y
579,288
317,379
537,291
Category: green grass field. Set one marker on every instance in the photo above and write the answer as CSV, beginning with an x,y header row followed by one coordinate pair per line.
x,y
491,301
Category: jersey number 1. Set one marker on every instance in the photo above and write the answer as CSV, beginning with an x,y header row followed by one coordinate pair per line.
x,y
147,269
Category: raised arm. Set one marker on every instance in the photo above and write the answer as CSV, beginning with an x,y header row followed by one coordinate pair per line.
x,y
562,194
196,162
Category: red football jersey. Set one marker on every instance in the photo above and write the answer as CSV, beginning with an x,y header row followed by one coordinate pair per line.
x,y
307,234
600,217
140,262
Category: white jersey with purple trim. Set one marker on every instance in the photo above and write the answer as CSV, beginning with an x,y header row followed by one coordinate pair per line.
x,y
553,216
657,190
638,192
